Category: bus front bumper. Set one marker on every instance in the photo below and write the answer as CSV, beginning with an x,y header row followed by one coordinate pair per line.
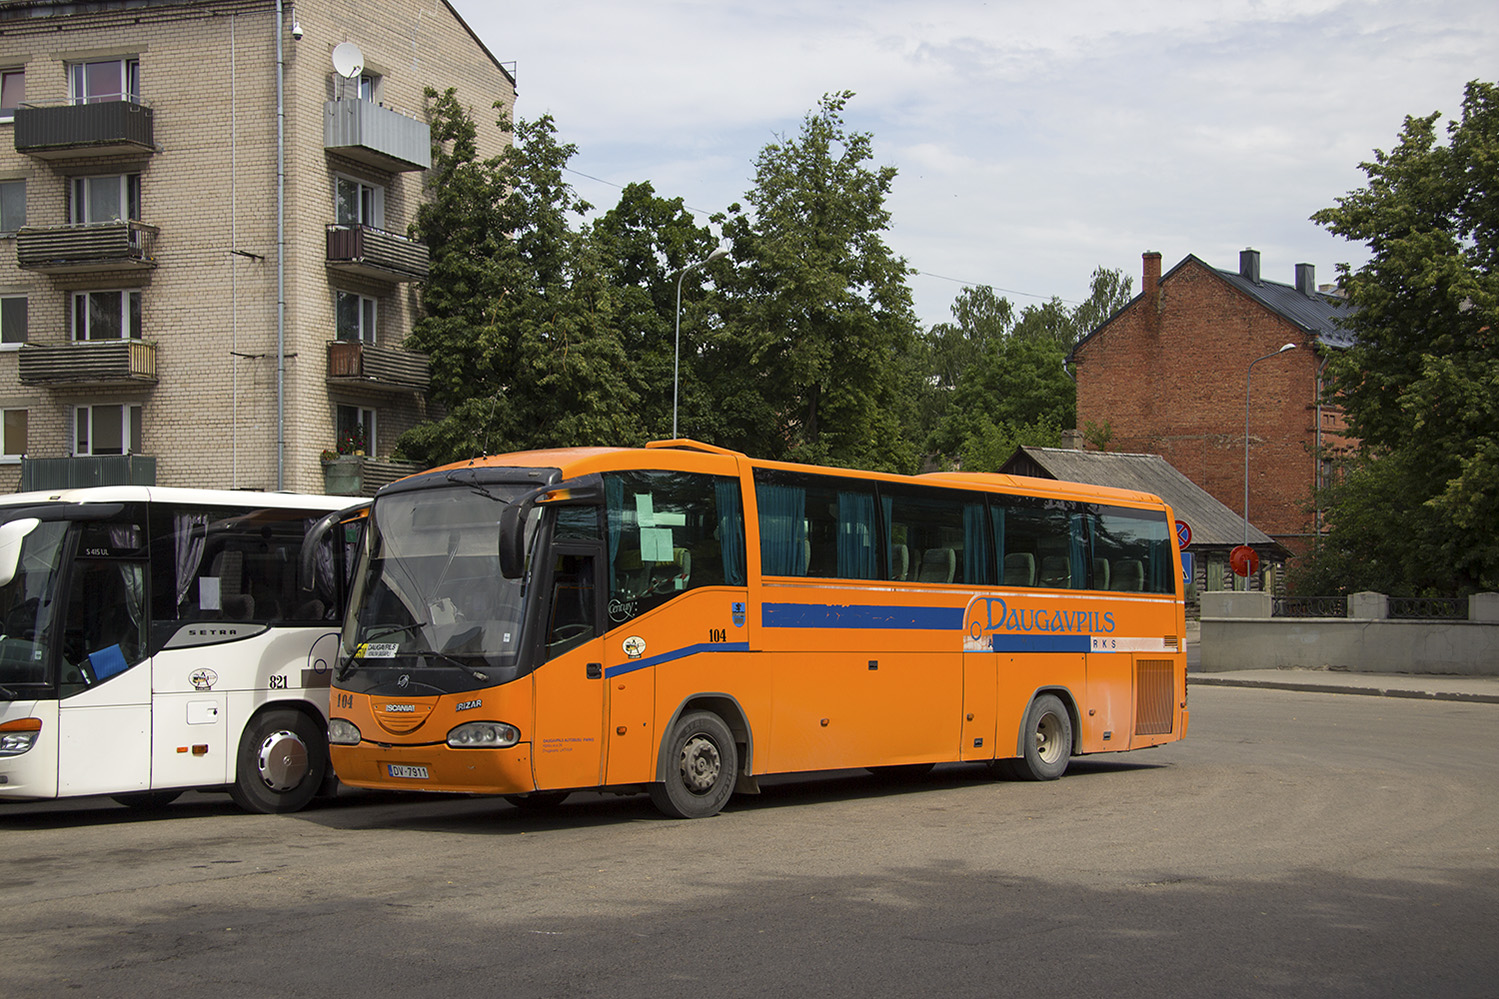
x,y
435,768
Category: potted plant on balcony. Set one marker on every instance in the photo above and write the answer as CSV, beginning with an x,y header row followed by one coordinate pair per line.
x,y
343,465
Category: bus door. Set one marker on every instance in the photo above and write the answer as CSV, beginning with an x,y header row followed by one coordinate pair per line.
x,y
104,688
567,738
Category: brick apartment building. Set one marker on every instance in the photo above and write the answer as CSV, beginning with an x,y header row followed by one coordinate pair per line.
x,y
1167,374
143,286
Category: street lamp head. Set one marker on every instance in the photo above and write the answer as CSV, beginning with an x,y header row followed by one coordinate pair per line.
x,y
721,250
1289,346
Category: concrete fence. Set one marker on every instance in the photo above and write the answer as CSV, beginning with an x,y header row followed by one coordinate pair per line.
x,y
1238,632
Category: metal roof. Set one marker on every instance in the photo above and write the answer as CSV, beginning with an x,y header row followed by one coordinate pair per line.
x,y
1213,524
1318,314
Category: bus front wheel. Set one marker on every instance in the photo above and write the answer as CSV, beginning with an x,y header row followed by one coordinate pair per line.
x,y
702,766
283,759
1048,741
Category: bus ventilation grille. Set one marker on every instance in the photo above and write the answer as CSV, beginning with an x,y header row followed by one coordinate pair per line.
x,y
1155,697
1171,644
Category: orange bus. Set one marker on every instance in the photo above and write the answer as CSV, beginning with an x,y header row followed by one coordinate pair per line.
x,y
682,619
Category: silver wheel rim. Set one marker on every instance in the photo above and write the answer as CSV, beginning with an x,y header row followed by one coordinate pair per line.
x,y
282,761
1049,738
701,764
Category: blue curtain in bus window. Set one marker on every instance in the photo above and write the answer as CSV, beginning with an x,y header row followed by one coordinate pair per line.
x,y
975,546
783,529
856,558
1078,549
614,512
1159,577
997,527
730,530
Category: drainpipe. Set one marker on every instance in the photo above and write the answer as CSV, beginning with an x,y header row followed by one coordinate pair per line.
x,y
280,256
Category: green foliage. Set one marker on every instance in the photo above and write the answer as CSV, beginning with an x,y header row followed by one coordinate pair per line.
x,y
1419,387
998,373
817,312
989,445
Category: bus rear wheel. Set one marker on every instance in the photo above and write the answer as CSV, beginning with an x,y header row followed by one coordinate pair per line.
x,y
702,766
1048,741
283,760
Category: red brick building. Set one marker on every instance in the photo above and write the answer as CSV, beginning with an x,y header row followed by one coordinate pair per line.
x,y
1167,375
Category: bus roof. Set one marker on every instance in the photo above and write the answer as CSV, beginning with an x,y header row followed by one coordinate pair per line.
x,y
689,455
169,494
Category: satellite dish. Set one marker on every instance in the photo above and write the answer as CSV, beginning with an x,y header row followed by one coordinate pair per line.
x,y
348,61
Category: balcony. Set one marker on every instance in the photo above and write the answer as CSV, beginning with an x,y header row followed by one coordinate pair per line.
x,y
358,475
62,131
89,363
375,253
377,136
353,364
96,470
116,246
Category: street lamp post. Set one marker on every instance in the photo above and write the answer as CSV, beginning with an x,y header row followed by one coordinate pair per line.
x,y
1248,379
676,365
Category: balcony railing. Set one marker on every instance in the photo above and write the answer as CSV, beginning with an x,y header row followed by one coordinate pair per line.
x,y
96,246
90,362
107,128
373,134
351,475
353,364
375,253
95,470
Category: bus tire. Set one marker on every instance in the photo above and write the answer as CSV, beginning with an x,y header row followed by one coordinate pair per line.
x,y
1047,739
146,799
283,759
702,764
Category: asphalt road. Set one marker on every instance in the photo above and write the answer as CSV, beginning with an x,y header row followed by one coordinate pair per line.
x,y
1295,845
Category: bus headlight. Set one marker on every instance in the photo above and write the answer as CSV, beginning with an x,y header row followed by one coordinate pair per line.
x,y
483,735
16,737
343,733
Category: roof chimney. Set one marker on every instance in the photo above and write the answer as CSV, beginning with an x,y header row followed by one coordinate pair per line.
x,y
1306,279
1150,285
1249,265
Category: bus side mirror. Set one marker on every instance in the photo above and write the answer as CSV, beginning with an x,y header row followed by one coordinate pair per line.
x,y
12,534
513,535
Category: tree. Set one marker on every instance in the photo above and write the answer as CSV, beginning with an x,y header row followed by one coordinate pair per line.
x,y
817,310
999,379
519,312
1418,386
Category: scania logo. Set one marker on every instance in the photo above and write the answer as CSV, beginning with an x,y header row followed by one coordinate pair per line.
x,y
404,681
402,709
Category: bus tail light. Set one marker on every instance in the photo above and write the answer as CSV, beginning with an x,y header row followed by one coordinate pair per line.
x,y
483,735
343,733
16,737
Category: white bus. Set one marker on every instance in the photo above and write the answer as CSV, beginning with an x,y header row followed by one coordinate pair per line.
x,y
157,640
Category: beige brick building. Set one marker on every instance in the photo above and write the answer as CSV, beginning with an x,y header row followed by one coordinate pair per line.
x,y
143,286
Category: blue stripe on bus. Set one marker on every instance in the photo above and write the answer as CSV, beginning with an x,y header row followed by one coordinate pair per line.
x,y
861,616
682,653
1043,643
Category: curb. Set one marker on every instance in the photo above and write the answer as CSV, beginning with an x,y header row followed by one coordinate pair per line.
x,y
1331,688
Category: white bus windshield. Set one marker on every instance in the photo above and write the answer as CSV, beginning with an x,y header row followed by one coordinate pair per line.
x,y
27,603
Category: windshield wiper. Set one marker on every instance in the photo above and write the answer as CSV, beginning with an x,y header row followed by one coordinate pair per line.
x,y
474,485
454,661
396,629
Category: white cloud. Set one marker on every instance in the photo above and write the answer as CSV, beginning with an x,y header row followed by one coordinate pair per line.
x,y
1035,142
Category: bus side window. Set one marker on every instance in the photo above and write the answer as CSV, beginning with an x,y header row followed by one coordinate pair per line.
x,y
104,632
574,619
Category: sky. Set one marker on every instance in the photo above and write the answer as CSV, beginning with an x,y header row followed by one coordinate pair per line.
x,y
1034,142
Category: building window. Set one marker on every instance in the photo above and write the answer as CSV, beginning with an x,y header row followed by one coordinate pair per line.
x,y
12,320
12,92
12,205
356,317
107,315
107,429
105,199
14,432
356,430
107,80
368,85
358,203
